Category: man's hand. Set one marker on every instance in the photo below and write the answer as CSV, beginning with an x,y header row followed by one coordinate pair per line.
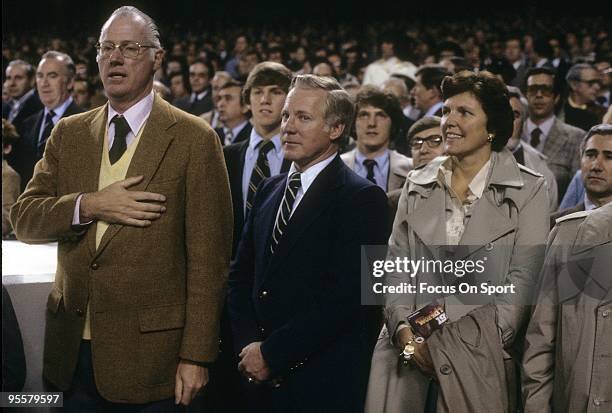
x,y
421,356
252,363
190,378
116,205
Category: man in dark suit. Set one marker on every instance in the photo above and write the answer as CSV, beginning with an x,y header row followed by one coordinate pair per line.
x,y
248,163
294,291
54,81
137,197
596,171
200,100
426,91
233,113
24,101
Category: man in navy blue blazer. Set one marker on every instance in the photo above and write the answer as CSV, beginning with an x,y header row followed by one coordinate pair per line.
x,y
302,335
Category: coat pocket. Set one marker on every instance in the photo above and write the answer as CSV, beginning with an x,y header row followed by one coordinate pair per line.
x,y
54,301
161,334
161,318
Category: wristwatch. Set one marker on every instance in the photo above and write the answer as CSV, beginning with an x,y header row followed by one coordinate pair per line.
x,y
409,349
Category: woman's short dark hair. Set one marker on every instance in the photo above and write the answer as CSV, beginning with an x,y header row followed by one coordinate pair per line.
x,y
372,96
492,94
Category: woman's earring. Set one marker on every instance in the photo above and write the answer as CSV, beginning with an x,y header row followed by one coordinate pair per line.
x,y
490,137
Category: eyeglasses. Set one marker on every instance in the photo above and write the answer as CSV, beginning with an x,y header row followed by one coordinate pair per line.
x,y
546,90
432,141
128,49
591,82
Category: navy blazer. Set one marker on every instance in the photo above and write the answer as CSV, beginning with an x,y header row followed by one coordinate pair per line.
x,y
303,302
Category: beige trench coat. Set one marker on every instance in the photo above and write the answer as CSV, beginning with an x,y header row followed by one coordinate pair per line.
x,y
509,225
568,355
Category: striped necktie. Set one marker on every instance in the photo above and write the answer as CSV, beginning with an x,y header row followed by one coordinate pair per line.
x,y
47,128
293,186
260,171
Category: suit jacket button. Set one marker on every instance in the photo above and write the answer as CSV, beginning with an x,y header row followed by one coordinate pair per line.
x,y
79,312
263,295
446,369
263,330
95,266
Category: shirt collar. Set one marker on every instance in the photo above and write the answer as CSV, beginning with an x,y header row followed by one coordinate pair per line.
x,y
544,126
135,115
382,160
432,110
308,176
588,205
236,130
255,138
199,96
59,111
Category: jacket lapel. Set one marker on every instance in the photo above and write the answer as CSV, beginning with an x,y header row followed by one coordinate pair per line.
x,y
398,169
488,221
554,141
92,154
314,202
148,155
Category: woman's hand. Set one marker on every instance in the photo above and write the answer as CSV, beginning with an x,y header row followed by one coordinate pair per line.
x,y
421,356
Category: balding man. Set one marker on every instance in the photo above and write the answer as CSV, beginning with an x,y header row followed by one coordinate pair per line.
x,y
54,82
137,196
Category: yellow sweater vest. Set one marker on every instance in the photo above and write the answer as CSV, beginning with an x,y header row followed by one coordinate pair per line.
x,y
109,174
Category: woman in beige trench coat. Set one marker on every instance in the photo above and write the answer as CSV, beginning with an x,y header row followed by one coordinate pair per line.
x,y
481,201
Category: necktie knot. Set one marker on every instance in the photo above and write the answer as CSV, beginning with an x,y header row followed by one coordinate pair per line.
x,y
370,164
535,137
295,181
265,147
50,116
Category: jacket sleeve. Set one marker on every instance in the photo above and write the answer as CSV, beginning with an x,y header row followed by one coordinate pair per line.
x,y
339,306
208,240
525,263
397,308
241,277
41,214
538,360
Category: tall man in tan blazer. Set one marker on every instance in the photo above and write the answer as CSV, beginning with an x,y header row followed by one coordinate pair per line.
x,y
137,196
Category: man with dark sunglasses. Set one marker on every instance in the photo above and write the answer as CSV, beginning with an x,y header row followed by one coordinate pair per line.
x,y
558,141
580,110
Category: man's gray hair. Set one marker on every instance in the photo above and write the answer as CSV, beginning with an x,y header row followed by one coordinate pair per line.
x,y
601,129
64,58
575,72
339,108
515,92
154,37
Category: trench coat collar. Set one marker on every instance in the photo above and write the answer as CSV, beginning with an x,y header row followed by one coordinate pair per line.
x,y
488,221
505,172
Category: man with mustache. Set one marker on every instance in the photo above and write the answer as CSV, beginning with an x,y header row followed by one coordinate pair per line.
x,y
596,168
